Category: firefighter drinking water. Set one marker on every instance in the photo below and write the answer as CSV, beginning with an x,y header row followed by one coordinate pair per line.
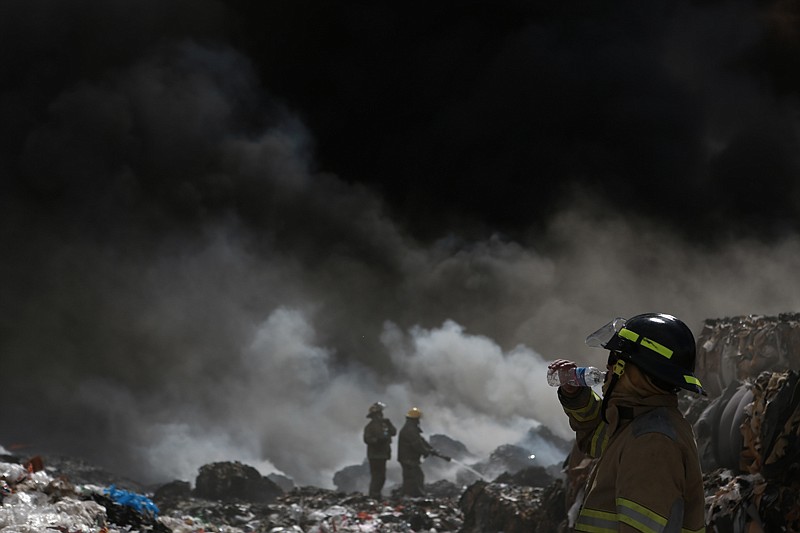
x,y
648,476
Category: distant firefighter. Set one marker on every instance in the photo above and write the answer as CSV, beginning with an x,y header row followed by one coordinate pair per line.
x,y
378,435
411,447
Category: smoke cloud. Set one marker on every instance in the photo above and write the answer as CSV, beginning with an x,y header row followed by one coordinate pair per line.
x,y
230,227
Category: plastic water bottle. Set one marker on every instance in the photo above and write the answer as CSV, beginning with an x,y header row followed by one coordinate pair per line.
x,y
581,376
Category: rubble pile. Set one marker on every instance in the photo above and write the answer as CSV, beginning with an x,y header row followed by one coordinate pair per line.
x,y
762,492
512,508
35,502
748,433
310,509
736,348
226,481
47,500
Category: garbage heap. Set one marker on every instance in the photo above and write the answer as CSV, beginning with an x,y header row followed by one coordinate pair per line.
x,y
230,499
748,433
34,501
737,348
755,423
513,507
749,430
233,498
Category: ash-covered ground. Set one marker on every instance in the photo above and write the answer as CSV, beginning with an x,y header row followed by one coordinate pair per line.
x,y
748,439
56,493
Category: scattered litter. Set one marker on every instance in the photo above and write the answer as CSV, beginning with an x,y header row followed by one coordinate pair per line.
x,y
748,435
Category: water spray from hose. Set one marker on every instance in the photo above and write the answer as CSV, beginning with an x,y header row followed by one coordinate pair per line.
x,y
462,465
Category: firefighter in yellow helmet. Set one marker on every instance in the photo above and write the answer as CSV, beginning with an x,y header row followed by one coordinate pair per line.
x,y
648,475
378,435
411,447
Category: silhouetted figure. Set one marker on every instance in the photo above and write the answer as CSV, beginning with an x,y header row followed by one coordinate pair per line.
x,y
378,435
411,447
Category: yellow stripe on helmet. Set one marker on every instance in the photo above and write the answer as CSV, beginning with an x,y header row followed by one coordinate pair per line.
x,y
693,380
647,343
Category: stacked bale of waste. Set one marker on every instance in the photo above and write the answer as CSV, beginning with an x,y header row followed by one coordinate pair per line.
x,y
736,348
761,493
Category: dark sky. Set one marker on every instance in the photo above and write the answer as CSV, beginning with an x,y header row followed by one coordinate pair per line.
x,y
230,226
493,113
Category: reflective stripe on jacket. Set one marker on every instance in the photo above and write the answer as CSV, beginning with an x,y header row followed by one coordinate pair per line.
x,y
648,475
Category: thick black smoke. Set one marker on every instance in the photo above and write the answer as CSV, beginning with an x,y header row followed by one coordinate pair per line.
x,y
491,113
231,226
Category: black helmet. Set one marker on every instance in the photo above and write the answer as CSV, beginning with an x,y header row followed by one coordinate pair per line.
x,y
376,409
660,345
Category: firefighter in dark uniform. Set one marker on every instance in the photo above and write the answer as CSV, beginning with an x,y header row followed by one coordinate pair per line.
x,y
378,435
648,475
411,447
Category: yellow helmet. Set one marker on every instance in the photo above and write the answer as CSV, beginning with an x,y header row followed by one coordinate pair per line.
x,y
414,413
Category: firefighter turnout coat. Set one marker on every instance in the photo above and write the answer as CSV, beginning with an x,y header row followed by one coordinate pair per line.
x,y
648,476
378,435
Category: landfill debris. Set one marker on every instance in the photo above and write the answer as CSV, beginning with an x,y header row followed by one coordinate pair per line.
x,y
35,501
353,478
530,476
47,500
235,481
138,502
748,434
763,492
513,509
736,348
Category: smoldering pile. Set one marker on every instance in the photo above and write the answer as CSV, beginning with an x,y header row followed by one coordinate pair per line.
x,y
231,497
60,494
63,494
748,437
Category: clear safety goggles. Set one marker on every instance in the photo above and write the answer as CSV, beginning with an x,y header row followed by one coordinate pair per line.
x,y
603,336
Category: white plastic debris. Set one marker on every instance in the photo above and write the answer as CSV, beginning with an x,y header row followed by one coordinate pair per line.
x,y
13,473
24,512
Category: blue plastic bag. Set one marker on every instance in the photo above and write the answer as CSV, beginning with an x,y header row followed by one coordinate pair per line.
x,y
142,504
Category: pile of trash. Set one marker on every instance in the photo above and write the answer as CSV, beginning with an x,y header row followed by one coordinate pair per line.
x,y
233,498
748,431
748,437
737,348
513,508
759,493
34,501
760,426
